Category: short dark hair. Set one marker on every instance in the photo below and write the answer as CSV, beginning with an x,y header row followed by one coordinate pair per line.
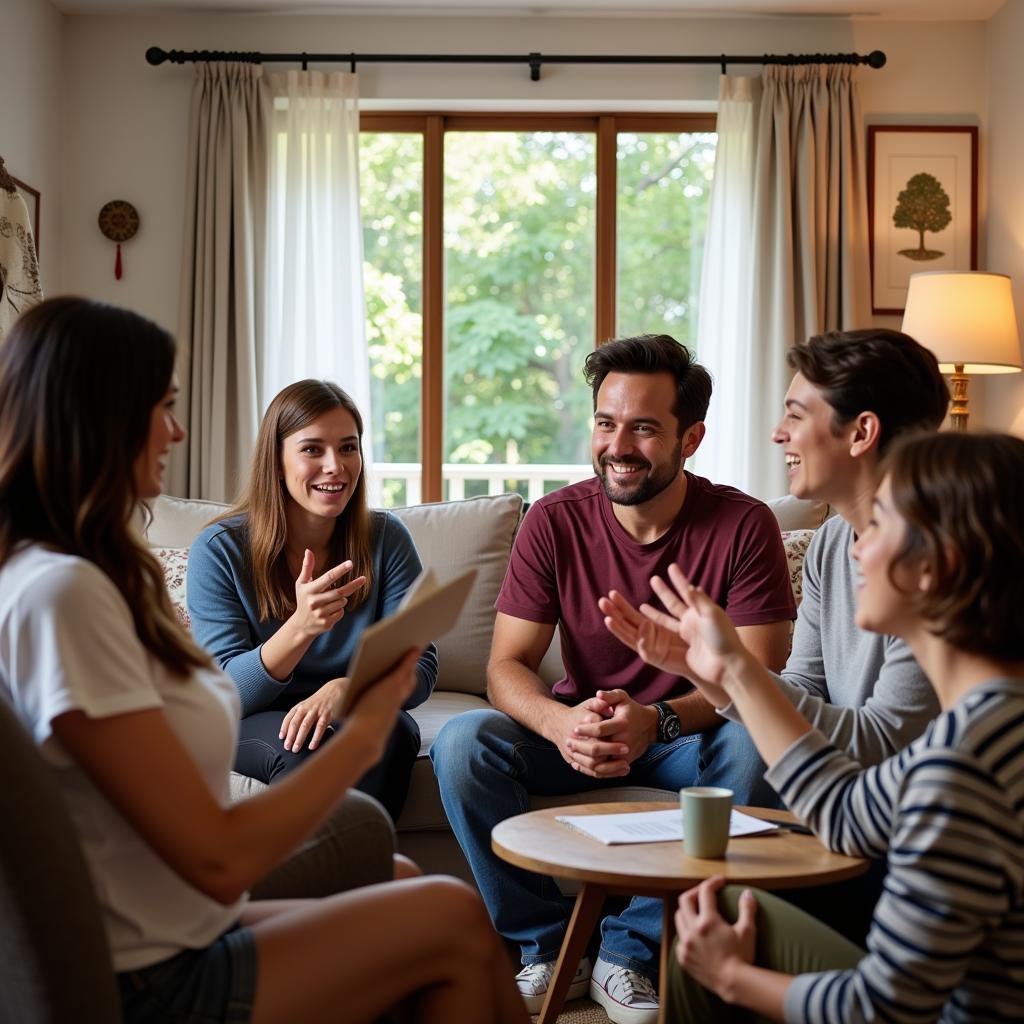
x,y
962,498
878,370
655,353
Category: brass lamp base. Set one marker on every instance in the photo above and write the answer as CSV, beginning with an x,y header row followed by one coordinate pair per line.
x,y
958,386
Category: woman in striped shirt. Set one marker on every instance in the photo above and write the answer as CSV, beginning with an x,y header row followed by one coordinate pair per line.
x,y
942,565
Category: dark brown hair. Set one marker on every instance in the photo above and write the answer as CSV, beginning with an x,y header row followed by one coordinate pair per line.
x,y
962,498
263,501
655,353
875,370
78,384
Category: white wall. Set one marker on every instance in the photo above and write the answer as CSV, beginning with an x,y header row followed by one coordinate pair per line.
x,y
1003,397
125,122
30,114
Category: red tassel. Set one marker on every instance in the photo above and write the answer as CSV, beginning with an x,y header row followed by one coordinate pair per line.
x,y
117,263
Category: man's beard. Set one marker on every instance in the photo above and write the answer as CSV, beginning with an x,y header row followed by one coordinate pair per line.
x,y
652,485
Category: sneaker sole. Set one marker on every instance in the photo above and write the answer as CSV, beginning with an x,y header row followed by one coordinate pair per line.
x,y
577,990
619,1014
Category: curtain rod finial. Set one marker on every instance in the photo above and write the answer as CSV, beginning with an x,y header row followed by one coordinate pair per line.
x,y
875,59
155,56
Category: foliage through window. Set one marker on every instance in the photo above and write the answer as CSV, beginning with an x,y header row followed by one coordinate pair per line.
x,y
524,235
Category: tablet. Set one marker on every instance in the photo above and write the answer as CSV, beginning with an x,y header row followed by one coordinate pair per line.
x,y
429,610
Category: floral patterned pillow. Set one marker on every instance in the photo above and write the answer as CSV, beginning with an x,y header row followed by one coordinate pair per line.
x,y
175,562
796,543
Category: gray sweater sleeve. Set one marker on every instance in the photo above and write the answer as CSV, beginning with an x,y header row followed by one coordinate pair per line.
x,y
864,691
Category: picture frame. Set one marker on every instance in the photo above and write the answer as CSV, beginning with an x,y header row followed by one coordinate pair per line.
x,y
922,206
32,197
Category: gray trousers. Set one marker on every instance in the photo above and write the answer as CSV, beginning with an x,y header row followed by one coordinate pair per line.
x,y
354,847
788,940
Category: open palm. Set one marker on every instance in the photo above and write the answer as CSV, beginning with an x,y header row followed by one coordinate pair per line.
x,y
652,634
707,634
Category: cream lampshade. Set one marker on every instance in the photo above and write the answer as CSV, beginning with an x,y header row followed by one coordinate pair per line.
x,y
967,319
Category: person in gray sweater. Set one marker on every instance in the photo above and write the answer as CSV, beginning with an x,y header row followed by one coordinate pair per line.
x,y
853,394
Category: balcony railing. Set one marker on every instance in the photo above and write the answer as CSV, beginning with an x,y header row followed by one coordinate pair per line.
x,y
498,477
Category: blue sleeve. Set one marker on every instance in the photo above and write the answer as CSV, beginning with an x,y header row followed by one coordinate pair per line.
x,y
400,565
223,609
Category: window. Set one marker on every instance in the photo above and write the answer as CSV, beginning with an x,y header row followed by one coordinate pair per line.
x,y
498,250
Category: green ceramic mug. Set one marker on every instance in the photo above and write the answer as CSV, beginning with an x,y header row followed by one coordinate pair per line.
x,y
706,812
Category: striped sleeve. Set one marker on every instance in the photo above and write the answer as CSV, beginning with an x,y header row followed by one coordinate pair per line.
x,y
953,862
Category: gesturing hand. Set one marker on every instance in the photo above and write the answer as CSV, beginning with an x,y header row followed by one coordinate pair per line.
x,y
709,948
657,636
320,602
315,713
653,635
711,639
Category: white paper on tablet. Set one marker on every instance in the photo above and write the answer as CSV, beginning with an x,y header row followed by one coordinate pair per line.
x,y
429,610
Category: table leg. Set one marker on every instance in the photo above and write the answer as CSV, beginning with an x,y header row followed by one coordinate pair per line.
x,y
584,916
668,933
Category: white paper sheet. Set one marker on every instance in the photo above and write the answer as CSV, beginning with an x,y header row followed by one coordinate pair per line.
x,y
653,826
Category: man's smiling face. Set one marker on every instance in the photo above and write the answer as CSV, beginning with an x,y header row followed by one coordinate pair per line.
x,y
636,444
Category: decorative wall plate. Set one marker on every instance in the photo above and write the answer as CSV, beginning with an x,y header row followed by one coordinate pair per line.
x,y
118,221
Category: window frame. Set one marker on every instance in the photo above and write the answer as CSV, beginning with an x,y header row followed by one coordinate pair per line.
x,y
433,127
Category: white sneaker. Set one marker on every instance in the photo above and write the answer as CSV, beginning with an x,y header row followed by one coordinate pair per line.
x,y
533,981
628,997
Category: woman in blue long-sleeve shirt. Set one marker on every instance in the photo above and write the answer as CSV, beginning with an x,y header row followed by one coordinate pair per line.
x,y
282,586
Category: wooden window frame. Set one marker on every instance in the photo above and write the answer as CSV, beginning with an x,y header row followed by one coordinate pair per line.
x,y
433,127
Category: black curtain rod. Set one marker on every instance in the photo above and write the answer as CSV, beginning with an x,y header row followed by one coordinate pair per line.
x,y
155,55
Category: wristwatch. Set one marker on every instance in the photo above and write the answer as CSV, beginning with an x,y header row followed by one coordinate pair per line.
x,y
669,726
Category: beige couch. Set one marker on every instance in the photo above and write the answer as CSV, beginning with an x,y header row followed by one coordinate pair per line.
x,y
450,536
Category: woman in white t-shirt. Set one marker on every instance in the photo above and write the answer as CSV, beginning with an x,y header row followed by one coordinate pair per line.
x,y
140,728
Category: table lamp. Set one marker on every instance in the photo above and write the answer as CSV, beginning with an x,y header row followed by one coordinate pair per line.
x,y
967,319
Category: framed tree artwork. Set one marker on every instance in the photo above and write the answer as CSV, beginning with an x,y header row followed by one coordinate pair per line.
x,y
922,206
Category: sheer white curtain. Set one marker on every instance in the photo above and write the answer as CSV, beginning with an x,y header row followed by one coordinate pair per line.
x,y
786,255
316,319
723,327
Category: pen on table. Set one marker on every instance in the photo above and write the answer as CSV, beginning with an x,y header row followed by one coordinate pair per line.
x,y
793,826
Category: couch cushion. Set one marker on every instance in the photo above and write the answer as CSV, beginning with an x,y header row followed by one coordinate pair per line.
x,y
798,513
451,536
177,521
423,807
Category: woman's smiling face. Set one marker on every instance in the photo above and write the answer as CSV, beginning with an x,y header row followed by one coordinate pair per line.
x,y
321,463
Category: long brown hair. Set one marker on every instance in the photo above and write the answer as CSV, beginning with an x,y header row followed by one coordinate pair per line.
x,y
264,499
78,384
962,499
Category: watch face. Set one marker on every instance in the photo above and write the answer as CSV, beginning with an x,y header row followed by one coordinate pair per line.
x,y
671,727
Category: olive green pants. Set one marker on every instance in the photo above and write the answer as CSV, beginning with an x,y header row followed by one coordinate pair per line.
x,y
788,940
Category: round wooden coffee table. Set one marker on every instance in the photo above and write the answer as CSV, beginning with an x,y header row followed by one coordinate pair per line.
x,y
537,842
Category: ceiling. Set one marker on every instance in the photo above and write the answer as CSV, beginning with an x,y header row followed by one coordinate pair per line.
x,y
889,10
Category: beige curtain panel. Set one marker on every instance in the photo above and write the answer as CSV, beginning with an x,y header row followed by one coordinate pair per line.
x,y
223,270
800,268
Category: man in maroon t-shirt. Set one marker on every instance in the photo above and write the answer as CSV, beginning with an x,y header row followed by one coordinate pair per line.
x,y
612,716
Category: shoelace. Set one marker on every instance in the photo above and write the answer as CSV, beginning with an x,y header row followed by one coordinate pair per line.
x,y
623,985
534,978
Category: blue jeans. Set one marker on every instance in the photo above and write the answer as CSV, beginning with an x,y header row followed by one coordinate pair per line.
x,y
488,766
